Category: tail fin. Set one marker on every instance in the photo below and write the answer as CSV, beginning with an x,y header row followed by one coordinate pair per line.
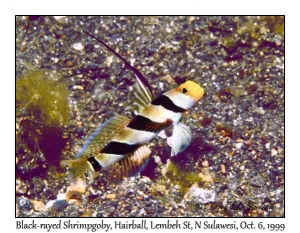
x,y
77,168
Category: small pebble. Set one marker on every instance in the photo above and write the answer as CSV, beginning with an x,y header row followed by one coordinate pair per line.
x,y
21,187
110,196
111,210
260,111
206,177
50,204
60,205
239,145
24,203
223,168
61,196
59,17
274,152
205,163
37,205
78,46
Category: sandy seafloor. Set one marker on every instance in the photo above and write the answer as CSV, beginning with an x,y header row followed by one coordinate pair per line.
x,y
235,164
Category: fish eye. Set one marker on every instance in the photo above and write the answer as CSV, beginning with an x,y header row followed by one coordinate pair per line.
x,y
184,90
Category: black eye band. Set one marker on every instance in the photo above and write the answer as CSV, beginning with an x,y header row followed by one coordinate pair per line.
x,y
167,103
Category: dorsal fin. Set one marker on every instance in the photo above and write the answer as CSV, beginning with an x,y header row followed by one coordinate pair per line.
x,y
143,96
143,91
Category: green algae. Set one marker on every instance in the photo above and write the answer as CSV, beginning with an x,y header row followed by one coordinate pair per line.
x,y
42,110
42,94
264,24
183,179
274,23
251,32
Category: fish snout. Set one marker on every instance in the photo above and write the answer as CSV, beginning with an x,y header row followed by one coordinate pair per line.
x,y
198,94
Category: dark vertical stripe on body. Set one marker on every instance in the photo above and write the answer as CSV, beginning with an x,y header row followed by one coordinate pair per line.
x,y
95,164
167,103
119,148
143,123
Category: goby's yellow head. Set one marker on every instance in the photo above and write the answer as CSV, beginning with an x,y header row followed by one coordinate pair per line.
x,y
191,89
186,95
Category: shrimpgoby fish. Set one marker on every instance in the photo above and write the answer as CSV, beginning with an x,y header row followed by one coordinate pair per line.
x,y
117,148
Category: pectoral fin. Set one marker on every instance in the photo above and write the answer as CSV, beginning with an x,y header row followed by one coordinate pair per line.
x,y
180,139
